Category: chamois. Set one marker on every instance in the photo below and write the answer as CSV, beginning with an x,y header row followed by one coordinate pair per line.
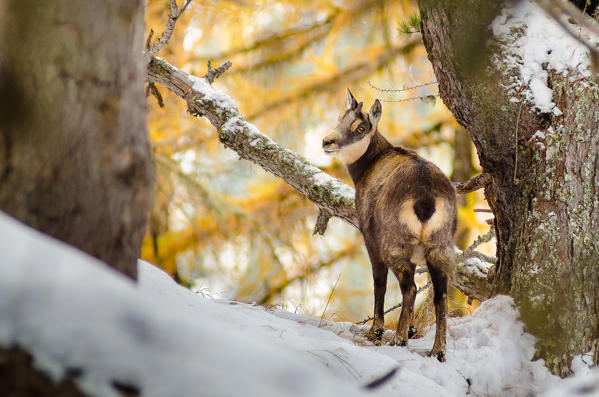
x,y
407,214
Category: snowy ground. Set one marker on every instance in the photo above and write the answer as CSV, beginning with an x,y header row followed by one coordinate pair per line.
x,y
71,311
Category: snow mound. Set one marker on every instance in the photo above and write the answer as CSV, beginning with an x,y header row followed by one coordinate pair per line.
x,y
70,311
535,44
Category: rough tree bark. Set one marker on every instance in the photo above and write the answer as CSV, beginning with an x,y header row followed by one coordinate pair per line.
x,y
545,212
74,154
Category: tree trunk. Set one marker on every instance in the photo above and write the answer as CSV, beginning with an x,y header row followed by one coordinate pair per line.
x,y
545,217
74,155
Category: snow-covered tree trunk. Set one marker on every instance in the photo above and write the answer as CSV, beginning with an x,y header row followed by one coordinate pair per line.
x,y
522,88
74,155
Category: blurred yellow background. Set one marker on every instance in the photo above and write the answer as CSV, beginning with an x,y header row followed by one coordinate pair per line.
x,y
226,227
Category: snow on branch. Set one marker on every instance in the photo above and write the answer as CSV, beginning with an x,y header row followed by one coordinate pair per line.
x,y
330,195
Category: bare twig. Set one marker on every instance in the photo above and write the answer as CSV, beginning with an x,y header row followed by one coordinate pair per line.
x,y
294,32
321,222
152,89
329,300
213,74
470,251
419,290
382,380
400,89
428,98
516,180
351,73
306,273
173,15
558,9
476,183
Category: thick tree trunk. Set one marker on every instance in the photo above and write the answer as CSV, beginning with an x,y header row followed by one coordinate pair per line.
x,y
546,222
74,155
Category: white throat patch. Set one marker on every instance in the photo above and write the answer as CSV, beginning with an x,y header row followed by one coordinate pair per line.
x,y
351,153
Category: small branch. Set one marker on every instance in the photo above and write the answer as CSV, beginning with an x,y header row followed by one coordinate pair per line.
x,y
468,252
419,290
474,184
173,16
382,380
400,89
352,73
554,7
424,98
516,180
321,222
292,33
152,89
213,74
329,300
310,271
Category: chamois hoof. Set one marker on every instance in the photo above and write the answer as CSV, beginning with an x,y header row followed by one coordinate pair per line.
x,y
375,336
411,332
440,355
396,340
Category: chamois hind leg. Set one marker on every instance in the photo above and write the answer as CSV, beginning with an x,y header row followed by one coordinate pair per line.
x,y
379,274
439,261
405,275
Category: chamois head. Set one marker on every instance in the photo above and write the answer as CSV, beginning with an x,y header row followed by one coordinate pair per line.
x,y
351,137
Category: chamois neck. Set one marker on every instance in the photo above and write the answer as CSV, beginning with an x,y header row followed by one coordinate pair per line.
x,y
378,145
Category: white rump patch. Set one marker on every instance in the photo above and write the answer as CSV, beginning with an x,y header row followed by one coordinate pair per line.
x,y
422,230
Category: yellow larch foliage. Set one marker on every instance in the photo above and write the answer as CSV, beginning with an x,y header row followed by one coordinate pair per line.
x,y
225,224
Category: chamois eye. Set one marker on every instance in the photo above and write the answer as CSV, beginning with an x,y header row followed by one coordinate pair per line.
x,y
361,129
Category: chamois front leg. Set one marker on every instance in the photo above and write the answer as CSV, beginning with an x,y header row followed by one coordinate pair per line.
x,y
405,275
379,274
439,261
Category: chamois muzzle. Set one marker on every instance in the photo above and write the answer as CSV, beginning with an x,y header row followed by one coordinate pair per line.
x,y
328,144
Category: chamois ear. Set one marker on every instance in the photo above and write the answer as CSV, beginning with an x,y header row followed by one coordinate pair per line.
x,y
351,101
359,109
375,113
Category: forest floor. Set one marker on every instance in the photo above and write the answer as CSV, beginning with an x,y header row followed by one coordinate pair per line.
x,y
72,312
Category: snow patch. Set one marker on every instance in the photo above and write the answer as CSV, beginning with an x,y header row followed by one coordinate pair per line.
x,y
323,179
539,135
535,44
222,101
71,311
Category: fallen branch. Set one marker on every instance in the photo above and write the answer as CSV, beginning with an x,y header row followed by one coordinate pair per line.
x,y
330,195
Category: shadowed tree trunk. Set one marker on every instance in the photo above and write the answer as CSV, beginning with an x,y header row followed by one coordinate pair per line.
x,y
463,170
74,155
545,211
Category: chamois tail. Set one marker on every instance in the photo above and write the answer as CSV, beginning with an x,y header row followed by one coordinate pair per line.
x,y
424,208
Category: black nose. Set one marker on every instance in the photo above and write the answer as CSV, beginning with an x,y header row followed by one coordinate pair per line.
x,y
327,142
